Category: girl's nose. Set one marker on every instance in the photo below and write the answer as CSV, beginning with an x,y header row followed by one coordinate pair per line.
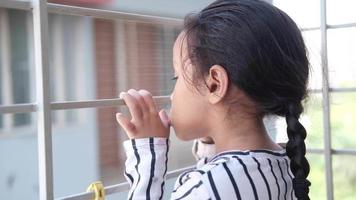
x,y
172,96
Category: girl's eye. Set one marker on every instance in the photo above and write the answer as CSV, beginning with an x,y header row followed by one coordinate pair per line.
x,y
174,78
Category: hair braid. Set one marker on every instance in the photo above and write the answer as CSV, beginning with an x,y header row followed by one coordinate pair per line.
x,y
296,151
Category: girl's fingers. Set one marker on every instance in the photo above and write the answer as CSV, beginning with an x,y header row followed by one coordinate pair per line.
x,y
125,123
164,118
139,99
147,96
133,105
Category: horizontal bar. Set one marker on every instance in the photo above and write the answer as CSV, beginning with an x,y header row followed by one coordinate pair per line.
x,y
100,103
333,151
110,14
120,187
351,89
334,26
315,151
92,12
343,151
20,5
18,108
24,108
309,29
348,25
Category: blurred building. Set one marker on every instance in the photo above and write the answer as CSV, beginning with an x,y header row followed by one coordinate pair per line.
x,y
89,59
94,58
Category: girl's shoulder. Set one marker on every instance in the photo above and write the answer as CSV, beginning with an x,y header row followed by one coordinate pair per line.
x,y
252,172
239,158
248,155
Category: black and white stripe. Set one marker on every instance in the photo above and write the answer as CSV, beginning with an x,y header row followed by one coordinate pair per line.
x,y
233,182
137,156
263,177
252,183
258,174
165,170
152,171
275,178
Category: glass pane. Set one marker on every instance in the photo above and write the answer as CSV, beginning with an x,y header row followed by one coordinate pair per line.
x,y
341,11
343,117
341,55
344,177
317,177
19,160
16,58
312,120
101,155
96,59
306,13
312,41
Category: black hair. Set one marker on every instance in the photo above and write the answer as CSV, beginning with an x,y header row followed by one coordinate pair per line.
x,y
264,54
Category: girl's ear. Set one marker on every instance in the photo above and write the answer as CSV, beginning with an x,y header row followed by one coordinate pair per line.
x,y
217,82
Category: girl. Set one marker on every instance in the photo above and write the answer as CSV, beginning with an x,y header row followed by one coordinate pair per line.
x,y
235,62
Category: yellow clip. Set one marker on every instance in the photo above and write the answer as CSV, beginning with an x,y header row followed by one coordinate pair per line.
x,y
98,189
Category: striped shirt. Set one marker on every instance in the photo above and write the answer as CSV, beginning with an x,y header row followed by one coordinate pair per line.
x,y
254,174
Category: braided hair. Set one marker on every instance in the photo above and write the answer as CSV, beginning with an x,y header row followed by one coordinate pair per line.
x,y
264,54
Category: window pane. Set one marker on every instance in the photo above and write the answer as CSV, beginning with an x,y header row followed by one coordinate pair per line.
x,y
344,177
19,161
342,60
96,59
101,155
341,11
317,177
16,57
306,13
312,41
312,119
343,117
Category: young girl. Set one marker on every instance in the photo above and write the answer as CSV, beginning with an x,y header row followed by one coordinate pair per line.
x,y
235,62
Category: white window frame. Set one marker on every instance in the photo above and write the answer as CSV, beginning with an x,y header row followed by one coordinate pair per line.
x,y
43,107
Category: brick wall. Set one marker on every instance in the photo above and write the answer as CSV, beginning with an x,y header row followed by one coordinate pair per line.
x,y
106,88
141,72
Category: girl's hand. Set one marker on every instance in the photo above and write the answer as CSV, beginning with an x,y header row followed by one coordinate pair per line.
x,y
145,121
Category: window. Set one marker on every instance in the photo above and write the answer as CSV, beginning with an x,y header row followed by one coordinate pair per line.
x,y
95,54
15,62
89,61
331,144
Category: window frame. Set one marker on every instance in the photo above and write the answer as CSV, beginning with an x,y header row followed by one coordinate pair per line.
x,y
44,107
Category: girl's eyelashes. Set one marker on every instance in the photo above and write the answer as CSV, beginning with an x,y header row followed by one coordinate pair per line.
x,y
174,78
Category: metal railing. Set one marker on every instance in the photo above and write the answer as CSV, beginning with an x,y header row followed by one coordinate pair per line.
x,y
43,106
120,187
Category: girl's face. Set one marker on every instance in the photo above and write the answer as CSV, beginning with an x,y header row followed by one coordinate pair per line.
x,y
189,107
